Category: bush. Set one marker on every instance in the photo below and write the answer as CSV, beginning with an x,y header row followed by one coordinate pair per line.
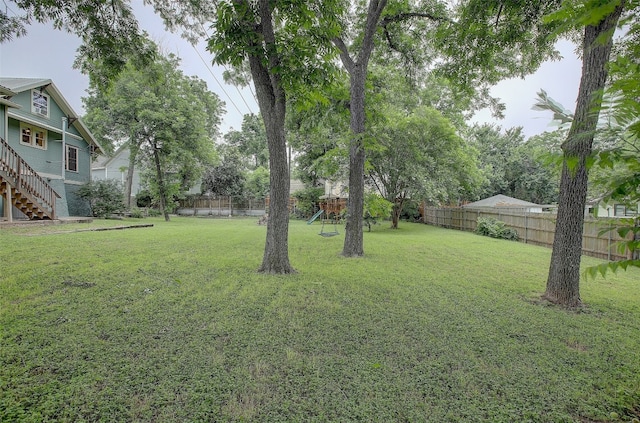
x,y
143,199
488,226
307,201
137,213
105,197
411,211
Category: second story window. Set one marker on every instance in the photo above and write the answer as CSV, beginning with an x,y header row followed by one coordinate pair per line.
x,y
33,136
39,103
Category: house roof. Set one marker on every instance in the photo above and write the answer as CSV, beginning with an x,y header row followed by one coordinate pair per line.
x,y
12,86
6,91
104,160
502,201
5,96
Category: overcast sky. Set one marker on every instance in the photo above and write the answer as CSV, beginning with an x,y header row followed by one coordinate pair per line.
x,y
48,53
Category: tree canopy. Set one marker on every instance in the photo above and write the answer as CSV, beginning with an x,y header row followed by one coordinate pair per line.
x,y
176,145
419,156
108,28
515,167
251,141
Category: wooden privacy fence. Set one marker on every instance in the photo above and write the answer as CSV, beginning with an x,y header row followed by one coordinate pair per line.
x,y
532,228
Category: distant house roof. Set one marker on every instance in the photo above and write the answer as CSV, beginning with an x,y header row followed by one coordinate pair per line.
x,y
501,201
104,160
12,86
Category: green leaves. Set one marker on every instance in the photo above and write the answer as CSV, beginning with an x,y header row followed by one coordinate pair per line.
x,y
419,155
604,268
105,197
492,40
302,44
576,14
491,227
157,110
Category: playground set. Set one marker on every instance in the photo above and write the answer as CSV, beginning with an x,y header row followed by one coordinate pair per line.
x,y
331,208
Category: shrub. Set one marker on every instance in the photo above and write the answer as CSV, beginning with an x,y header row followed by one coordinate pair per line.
x,y
307,201
488,226
105,197
411,211
143,199
137,213
375,207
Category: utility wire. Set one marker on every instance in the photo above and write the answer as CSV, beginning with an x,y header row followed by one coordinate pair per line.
x,y
216,79
236,87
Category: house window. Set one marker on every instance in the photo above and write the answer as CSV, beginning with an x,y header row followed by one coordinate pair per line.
x,y
39,103
71,163
33,136
620,210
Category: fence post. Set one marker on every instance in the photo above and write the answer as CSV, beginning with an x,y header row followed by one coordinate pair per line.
x,y
609,243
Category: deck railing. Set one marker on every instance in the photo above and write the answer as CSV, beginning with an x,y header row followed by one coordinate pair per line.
x,y
26,179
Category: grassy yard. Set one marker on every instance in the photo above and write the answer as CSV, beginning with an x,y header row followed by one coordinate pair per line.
x,y
173,324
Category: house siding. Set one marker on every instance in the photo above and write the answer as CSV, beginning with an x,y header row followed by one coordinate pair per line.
x,y
75,205
115,168
49,162
83,174
43,161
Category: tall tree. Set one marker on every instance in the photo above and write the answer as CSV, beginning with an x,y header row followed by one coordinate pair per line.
x,y
420,156
616,177
283,42
599,20
135,110
500,39
356,65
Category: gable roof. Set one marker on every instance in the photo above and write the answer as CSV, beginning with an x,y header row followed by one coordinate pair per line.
x,y
12,86
105,160
503,201
5,95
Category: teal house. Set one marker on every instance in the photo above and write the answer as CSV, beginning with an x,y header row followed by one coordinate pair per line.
x,y
45,152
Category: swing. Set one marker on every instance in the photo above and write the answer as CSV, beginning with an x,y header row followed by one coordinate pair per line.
x,y
328,234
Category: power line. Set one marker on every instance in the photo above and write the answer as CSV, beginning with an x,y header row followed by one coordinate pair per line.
x,y
226,69
216,79
239,92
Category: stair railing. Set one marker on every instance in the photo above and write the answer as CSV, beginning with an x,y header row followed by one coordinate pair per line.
x,y
26,178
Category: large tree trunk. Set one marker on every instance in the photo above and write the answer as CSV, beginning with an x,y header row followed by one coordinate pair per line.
x,y
276,249
272,103
162,192
129,182
563,282
353,240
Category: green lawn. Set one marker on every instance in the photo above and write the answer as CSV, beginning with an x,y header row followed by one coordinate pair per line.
x,y
172,323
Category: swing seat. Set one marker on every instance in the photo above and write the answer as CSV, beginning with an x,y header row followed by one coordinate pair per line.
x,y
328,234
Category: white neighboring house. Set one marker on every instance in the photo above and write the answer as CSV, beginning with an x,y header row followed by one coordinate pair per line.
x,y
335,189
613,210
504,202
116,167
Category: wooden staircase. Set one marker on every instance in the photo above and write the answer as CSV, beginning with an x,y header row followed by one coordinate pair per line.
x,y
22,187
